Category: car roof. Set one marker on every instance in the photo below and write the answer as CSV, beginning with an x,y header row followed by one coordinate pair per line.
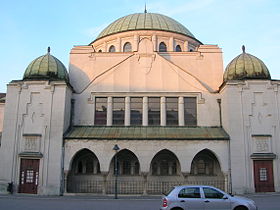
x,y
181,186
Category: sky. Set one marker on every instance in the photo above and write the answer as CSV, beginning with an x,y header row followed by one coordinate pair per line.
x,y
28,27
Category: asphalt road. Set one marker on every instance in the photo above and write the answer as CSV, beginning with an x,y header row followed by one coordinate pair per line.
x,y
26,202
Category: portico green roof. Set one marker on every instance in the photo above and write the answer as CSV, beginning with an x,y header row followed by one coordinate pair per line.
x,y
46,67
145,21
147,133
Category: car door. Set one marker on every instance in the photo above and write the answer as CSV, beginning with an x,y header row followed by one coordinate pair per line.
x,y
190,198
215,199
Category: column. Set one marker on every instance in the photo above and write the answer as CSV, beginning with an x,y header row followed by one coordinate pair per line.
x,y
154,40
127,111
171,44
145,178
109,111
105,47
132,167
136,43
104,186
65,180
181,111
158,168
186,46
162,112
145,111
118,45
170,168
95,167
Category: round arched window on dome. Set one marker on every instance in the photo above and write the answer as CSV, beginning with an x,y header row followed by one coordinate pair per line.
x,y
112,48
178,48
127,47
162,47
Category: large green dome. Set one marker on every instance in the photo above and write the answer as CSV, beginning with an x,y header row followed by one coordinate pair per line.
x,y
246,66
46,67
145,21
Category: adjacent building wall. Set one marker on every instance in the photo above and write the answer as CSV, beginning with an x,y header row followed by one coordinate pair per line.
x,y
250,109
34,109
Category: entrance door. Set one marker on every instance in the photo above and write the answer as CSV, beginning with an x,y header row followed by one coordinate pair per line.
x,y
29,174
263,175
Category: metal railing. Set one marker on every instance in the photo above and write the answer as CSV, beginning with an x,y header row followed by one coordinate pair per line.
x,y
134,187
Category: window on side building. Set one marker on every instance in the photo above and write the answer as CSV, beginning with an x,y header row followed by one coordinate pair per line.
x,y
118,110
171,111
112,48
127,47
162,47
136,107
100,111
178,48
154,110
190,111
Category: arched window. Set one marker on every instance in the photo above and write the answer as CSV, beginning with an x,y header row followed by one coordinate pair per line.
x,y
80,167
165,163
136,168
127,47
112,48
127,162
162,47
164,166
89,165
205,163
99,50
126,167
154,169
85,162
178,48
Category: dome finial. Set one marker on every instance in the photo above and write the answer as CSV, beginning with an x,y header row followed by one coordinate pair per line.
x,y
243,48
145,11
49,50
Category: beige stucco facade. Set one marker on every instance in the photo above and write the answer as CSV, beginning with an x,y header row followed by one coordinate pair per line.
x,y
52,121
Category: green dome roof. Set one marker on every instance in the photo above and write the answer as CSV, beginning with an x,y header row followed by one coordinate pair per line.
x,y
46,67
246,66
145,21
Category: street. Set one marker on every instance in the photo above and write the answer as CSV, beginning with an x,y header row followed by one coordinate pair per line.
x,y
27,202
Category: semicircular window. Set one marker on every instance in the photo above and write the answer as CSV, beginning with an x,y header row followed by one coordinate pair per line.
x,y
178,48
162,47
112,48
127,47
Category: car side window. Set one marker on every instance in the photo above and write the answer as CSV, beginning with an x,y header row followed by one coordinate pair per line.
x,y
212,193
189,192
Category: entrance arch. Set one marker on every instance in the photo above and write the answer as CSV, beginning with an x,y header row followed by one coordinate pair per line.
x,y
84,174
127,162
165,163
206,170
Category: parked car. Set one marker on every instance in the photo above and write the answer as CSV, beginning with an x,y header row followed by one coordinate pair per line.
x,y
204,197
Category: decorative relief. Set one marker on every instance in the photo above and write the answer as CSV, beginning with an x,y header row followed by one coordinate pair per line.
x,y
92,57
261,144
32,143
146,61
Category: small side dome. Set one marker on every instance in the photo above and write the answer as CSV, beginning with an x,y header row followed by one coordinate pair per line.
x,y
46,67
246,66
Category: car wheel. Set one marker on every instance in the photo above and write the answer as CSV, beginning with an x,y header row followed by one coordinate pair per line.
x,y
240,208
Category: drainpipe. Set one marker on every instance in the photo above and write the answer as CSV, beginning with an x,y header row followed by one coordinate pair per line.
x,y
220,111
63,180
229,153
